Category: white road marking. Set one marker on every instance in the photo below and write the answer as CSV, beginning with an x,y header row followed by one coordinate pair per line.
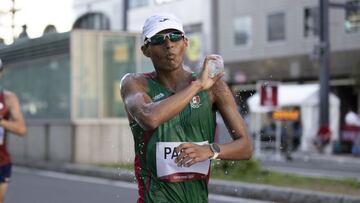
x,y
229,199
77,178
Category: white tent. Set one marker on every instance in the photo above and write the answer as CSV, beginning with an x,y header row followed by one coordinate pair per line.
x,y
307,98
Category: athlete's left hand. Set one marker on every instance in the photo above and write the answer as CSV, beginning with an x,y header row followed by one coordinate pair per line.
x,y
190,153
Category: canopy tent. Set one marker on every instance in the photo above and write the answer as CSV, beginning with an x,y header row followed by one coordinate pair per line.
x,y
306,97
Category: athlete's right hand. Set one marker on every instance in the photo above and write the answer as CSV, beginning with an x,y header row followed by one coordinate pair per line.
x,y
204,79
191,153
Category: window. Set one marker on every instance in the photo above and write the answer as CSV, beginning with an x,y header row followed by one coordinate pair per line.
x,y
352,16
242,31
276,27
96,21
196,49
311,21
163,1
137,3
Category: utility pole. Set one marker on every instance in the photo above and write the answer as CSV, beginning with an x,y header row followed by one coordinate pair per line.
x,y
125,14
324,63
12,11
324,7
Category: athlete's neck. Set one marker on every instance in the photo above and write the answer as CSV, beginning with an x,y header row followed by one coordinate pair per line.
x,y
174,80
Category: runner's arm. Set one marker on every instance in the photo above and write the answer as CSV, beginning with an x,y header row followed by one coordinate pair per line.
x,y
239,149
16,124
241,146
150,114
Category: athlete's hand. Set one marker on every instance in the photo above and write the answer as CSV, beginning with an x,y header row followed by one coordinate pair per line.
x,y
204,79
190,153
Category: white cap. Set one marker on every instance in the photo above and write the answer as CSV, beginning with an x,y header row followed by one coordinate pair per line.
x,y
159,22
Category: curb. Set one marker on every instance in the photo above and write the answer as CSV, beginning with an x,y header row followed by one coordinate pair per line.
x,y
221,187
276,194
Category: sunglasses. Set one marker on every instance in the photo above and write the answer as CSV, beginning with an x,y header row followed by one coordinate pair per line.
x,y
160,38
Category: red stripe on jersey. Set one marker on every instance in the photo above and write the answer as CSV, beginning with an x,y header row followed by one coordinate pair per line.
x,y
138,168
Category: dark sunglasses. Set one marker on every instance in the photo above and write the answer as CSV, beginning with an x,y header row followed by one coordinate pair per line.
x,y
160,38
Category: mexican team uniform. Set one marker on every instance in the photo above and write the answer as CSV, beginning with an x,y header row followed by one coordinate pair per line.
x,y
159,179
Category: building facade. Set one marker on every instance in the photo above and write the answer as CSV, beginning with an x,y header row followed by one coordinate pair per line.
x,y
278,40
273,40
99,14
259,40
199,26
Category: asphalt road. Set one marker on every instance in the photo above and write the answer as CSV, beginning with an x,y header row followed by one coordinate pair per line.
x,y
39,186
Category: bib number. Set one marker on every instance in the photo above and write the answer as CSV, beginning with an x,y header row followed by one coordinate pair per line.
x,y
167,169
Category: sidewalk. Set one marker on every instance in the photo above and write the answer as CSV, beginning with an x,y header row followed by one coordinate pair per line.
x,y
317,165
236,189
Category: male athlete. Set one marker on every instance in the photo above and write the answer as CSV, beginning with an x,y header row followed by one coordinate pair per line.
x,y
171,112
12,120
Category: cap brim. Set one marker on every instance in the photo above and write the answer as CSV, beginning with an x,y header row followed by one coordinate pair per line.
x,y
161,28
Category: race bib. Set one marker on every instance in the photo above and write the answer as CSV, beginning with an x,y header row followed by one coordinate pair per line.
x,y
2,135
167,169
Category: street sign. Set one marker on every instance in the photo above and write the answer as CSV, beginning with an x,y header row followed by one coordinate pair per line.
x,y
286,115
268,93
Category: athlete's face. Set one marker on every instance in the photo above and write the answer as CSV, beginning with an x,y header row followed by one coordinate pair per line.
x,y
167,53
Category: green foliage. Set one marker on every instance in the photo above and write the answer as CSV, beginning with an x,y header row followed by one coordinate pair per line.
x,y
252,172
237,167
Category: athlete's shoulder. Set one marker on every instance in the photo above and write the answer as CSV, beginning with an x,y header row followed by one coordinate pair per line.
x,y
10,98
132,79
9,94
220,90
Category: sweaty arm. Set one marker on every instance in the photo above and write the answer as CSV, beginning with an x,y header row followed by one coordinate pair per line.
x,y
149,114
16,124
241,146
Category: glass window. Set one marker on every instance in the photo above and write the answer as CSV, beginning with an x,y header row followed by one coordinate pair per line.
x,y
242,30
96,21
42,85
138,3
163,1
311,21
195,50
101,60
276,27
119,58
85,74
352,17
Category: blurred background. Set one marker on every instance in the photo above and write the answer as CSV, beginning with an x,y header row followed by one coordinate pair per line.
x,y
293,66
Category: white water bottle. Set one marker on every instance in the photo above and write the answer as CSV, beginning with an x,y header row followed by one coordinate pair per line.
x,y
216,66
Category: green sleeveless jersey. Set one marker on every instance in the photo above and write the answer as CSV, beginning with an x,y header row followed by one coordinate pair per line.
x,y
195,123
